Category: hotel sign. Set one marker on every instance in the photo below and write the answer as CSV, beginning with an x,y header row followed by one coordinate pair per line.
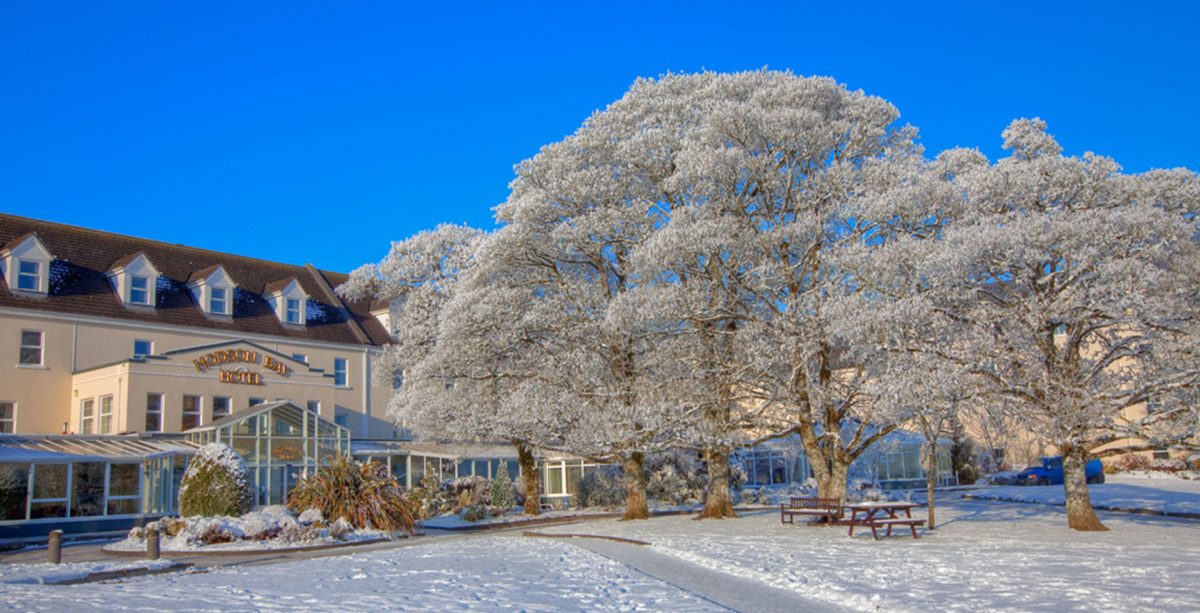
x,y
240,376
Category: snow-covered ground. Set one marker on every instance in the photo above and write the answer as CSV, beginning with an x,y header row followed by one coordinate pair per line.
x,y
1158,492
983,556
15,574
478,574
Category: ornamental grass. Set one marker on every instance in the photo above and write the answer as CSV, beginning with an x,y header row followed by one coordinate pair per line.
x,y
362,493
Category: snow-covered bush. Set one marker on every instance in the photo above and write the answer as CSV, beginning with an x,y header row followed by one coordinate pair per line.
x,y
364,494
215,484
502,489
475,512
428,499
471,490
676,478
602,487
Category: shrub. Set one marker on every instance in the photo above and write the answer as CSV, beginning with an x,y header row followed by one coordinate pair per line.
x,y
602,487
365,495
475,512
215,484
427,499
471,490
676,478
502,489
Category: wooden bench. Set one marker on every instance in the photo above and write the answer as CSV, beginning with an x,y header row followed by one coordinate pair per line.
x,y
820,507
881,522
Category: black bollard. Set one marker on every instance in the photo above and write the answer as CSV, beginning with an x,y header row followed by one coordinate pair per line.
x,y
152,543
55,549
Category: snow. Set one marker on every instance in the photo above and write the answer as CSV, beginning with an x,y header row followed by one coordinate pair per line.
x,y
17,574
270,528
1157,493
483,574
983,556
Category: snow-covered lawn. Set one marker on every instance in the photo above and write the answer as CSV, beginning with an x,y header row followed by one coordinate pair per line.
x,y
983,556
480,574
1153,492
14,574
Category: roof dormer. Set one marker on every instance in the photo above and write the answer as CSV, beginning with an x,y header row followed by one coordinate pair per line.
x,y
135,279
25,262
288,300
212,288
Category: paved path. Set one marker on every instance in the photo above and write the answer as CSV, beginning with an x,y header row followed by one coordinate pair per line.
x,y
730,591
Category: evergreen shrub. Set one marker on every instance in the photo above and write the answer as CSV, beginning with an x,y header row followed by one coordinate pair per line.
x,y
363,494
215,483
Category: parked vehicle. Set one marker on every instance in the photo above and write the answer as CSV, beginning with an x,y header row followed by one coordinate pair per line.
x,y
1050,472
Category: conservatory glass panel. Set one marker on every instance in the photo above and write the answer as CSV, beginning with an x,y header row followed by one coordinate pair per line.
x,y
50,481
14,487
554,479
87,489
574,475
418,470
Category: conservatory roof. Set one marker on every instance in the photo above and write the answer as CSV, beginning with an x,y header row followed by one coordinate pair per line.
x,y
76,448
442,450
285,408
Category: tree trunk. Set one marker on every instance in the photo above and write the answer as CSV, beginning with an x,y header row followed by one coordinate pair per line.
x,y
931,474
635,487
718,504
833,485
1080,514
533,493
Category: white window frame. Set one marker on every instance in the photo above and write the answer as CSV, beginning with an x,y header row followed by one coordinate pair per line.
x,y
87,419
102,415
133,288
159,412
41,349
148,342
8,425
198,412
292,316
22,275
228,407
212,300
341,378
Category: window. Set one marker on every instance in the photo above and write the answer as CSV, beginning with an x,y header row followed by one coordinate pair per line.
x,y
31,348
256,401
8,417
191,411
220,406
300,357
139,290
218,301
154,405
342,420
314,406
106,415
142,347
87,416
293,311
123,497
339,372
29,275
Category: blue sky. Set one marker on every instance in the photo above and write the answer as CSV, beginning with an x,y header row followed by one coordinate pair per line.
x,y
318,132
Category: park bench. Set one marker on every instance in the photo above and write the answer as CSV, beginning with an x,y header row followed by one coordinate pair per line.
x,y
830,508
876,524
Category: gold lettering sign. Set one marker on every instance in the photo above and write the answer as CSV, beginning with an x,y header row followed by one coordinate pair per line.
x,y
241,377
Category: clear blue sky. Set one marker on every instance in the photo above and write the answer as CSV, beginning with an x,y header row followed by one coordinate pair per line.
x,y
318,132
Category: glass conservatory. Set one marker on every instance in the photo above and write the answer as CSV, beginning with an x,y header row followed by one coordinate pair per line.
x,y
280,442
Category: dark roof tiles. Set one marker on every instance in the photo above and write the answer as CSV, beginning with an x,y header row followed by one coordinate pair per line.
x,y
82,257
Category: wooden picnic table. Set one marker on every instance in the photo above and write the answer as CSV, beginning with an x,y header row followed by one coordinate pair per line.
x,y
883,514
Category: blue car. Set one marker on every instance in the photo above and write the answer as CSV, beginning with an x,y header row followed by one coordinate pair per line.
x,y
1051,472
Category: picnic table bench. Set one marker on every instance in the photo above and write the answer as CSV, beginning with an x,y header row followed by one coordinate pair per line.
x,y
820,507
877,515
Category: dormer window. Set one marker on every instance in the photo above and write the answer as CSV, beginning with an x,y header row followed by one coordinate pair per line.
x,y
213,288
293,311
218,304
135,280
139,290
29,275
287,299
25,263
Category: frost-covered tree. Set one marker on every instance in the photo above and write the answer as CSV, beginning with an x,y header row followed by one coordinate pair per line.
x,y
1071,291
